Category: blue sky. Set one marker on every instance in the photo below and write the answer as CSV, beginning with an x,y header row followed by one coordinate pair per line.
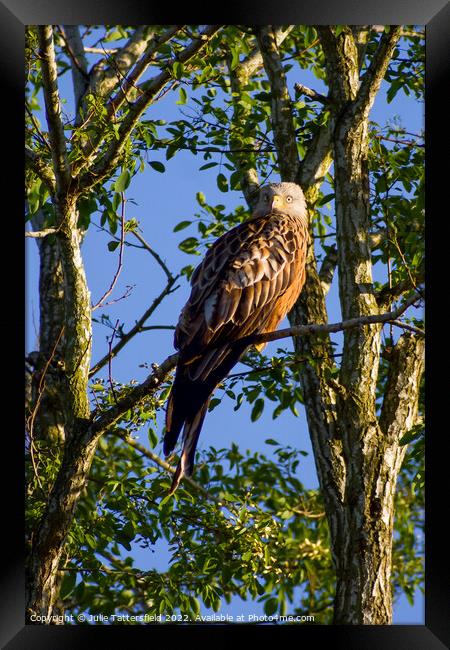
x,y
163,200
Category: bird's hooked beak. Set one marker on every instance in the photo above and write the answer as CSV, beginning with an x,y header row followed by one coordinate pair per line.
x,y
277,202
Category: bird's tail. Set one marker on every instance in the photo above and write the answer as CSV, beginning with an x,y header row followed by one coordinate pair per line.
x,y
191,432
191,392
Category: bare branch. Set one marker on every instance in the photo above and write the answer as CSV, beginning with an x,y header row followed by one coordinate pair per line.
x,y
409,328
53,107
111,383
41,233
101,50
303,330
154,254
109,291
313,94
137,329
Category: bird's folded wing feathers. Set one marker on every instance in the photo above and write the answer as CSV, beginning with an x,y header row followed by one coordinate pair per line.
x,y
246,269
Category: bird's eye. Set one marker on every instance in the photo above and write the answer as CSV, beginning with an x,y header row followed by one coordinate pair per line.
x,y
266,198
289,199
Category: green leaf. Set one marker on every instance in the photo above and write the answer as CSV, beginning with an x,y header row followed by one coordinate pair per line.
x,y
177,70
164,500
213,403
158,166
152,438
222,183
208,166
271,441
183,96
123,181
257,410
112,245
194,605
325,199
270,606
182,225
189,246
68,584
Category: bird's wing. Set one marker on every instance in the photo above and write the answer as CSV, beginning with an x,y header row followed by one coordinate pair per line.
x,y
235,287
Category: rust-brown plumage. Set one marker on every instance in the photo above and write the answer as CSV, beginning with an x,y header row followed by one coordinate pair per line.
x,y
246,284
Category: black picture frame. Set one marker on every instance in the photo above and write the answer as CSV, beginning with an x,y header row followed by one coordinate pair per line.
x,y
435,14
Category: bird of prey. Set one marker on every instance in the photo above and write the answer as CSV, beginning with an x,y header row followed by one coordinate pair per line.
x,y
246,284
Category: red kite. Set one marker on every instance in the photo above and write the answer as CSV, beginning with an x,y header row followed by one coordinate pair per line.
x,y
246,284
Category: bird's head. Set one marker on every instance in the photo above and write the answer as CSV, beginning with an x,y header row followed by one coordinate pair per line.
x,y
286,198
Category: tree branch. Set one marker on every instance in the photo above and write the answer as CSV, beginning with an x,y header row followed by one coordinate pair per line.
x,y
154,254
327,269
306,330
374,75
399,409
129,82
74,46
53,107
107,72
313,94
39,234
281,113
154,380
109,159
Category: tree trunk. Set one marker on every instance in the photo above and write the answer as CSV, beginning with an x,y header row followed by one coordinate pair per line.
x,y
69,297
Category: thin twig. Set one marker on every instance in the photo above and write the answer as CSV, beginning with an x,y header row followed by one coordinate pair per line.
x,y
408,327
153,253
169,288
110,356
41,136
120,263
